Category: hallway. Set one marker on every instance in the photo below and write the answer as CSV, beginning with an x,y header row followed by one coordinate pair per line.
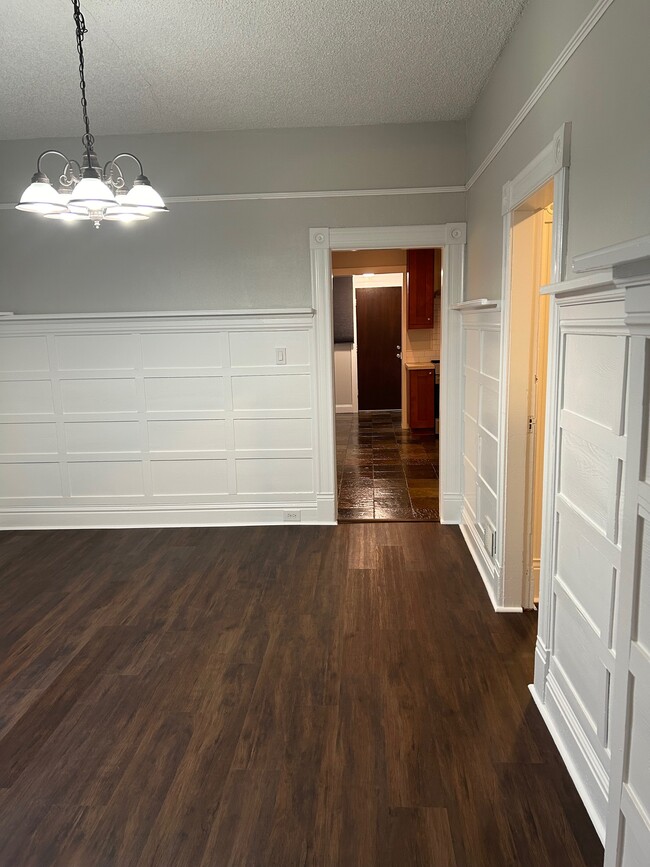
x,y
271,697
385,473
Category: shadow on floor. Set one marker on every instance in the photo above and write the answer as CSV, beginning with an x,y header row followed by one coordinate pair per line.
x,y
385,473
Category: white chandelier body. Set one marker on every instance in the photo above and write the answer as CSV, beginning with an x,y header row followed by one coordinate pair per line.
x,y
86,191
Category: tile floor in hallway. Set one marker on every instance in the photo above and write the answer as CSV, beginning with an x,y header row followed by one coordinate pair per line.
x,y
385,473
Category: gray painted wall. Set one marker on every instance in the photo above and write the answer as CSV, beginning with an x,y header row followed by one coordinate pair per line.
x,y
603,91
225,255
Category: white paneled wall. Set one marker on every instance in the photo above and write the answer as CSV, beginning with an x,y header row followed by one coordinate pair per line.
x,y
159,419
592,667
481,360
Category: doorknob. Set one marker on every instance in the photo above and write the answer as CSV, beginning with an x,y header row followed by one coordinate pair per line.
x,y
398,354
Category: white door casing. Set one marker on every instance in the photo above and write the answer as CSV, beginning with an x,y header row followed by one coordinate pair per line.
x,y
451,238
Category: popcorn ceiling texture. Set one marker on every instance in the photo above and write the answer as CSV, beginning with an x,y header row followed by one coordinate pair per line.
x,y
190,65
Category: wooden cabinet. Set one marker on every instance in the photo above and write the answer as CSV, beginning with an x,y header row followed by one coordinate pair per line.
x,y
422,282
421,398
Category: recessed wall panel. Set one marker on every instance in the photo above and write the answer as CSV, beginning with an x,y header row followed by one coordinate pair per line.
x,y
489,460
258,349
490,354
96,351
27,397
471,397
273,433
585,478
638,776
587,574
102,436
489,411
189,435
576,648
594,366
189,477
271,392
21,481
178,350
184,393
28,439
274,475
24,354
106,478
98,395
473,349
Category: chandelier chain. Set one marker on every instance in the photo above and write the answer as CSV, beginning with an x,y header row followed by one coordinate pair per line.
x,y
80,24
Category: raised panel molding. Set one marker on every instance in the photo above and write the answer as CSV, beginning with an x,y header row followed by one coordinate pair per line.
x,y
159,419
592,660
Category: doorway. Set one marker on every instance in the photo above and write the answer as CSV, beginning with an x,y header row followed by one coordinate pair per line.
x,y
531,241
387,461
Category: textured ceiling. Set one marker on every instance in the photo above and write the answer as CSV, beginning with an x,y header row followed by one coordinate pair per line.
x,y
181,65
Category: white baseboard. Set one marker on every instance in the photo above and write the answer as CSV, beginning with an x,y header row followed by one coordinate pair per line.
x,y
485,567
451,508
249,515
345,407
576,754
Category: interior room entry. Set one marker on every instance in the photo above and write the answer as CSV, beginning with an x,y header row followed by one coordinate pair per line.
x,y
379,347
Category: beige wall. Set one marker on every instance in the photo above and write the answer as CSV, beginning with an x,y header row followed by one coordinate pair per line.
x,y
603,91
222,255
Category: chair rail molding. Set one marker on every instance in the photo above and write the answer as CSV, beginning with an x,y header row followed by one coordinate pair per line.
x,y
451,237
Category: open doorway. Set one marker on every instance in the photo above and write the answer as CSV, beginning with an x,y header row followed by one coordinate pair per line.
x,y
386,306
531,257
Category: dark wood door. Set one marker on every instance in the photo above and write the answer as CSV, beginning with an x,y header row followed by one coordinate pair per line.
x,y
379,341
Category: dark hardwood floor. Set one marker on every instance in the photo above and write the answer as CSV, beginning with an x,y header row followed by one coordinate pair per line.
x,y
334,696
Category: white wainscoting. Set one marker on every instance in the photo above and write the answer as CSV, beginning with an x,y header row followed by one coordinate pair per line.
x,y
592,666
159,419
345,377
481,337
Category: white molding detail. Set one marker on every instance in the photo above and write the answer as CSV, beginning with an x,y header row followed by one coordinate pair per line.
x,y
476,304
617,254
565,55
555,156
451,508
387,237
594,282
451,238
558,729
300,194
152,316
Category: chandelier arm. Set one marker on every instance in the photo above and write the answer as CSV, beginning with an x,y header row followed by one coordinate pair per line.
x,y
68,161
109,165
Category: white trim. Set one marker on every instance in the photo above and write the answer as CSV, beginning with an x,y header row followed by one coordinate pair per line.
x,y
590,282
485,568
550,164
451,238
451,506
565,55
608,257
555,156
300,194
108,518
271,313
568,758
476,304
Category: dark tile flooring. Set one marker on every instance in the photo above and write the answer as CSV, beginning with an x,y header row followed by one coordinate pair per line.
x,y
385,473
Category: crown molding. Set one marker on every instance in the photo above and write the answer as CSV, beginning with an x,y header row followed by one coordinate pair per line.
x,y
560,62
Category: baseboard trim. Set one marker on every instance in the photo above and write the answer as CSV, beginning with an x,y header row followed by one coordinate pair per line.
x,y
451,508
321,512
595,814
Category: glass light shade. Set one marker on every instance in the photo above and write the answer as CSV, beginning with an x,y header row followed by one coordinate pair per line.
x,y
66,216
145,199
121,213
91,194
41,198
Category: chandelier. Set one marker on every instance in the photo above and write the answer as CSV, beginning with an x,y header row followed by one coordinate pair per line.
x,y
87,191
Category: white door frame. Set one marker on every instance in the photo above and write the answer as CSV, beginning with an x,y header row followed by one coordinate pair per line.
x,y
451,238
552,163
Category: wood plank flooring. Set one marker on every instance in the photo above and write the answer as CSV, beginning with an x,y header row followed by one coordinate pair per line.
x,y
295,696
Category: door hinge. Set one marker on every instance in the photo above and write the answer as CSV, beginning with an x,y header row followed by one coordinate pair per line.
x,y
531,423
